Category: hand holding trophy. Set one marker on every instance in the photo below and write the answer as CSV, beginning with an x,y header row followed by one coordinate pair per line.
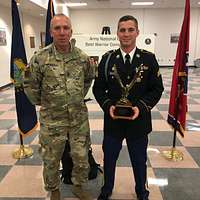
x,y
134,111
123,108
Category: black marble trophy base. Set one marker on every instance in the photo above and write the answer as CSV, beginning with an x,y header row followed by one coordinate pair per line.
x,y
123,112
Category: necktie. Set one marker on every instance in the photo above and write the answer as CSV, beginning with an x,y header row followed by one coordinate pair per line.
x,y
128,64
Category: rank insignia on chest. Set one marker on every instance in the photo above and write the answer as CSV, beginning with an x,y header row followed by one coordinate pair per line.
x,y
111,73
138,55
138,80
145,67
113,67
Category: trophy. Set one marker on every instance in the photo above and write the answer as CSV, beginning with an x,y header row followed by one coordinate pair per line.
x,y
123,107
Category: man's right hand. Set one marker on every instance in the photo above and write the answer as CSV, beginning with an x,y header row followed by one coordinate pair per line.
x,y
111,111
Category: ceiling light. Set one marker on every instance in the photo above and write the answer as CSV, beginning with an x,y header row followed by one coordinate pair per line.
x,y
75,4
149,3
199,2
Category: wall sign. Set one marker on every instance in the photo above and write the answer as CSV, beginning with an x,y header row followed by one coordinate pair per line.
x,y
3,37
98,44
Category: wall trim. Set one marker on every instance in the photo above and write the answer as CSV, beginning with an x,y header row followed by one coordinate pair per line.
x,y
173,66
5,86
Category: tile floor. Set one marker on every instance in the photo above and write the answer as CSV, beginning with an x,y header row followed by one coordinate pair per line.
x,y
168,180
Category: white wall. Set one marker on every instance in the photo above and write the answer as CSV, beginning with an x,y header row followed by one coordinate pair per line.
x,y
5,22
197,39
163,22
31,26
62,9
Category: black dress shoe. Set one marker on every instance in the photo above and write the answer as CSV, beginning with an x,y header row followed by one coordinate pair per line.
x,y
103,196
144,196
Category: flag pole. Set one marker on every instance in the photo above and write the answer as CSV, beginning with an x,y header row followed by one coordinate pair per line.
x,y
178,95
26,113
174,154
22,151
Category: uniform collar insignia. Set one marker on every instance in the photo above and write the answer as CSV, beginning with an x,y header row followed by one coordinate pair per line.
x,y
138,55
117,56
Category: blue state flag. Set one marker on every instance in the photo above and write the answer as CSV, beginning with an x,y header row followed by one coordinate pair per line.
x,y
50,14
26,112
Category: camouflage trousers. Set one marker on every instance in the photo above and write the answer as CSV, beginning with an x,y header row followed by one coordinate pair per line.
x,y
52,143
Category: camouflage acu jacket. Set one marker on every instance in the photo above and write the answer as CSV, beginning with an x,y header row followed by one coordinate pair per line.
x,y
59,83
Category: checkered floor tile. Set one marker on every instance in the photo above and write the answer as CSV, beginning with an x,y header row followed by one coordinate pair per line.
x,y
167,179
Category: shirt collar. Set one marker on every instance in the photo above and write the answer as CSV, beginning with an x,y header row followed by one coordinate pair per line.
x,y
130,53
61,56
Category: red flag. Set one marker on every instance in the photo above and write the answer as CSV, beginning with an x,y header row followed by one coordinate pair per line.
x,y
178,96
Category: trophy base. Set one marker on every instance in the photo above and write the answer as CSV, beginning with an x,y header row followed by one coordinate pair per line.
x,y
123,112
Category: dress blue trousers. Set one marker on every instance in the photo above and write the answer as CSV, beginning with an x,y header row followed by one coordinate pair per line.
x,y
137,149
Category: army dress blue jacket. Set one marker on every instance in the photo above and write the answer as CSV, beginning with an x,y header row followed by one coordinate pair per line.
x,y
144,94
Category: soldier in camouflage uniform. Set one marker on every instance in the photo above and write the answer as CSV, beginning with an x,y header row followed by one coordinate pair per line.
x,y
58,79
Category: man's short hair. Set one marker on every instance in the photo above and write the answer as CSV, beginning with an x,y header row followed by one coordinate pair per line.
x,y
57,15
126,18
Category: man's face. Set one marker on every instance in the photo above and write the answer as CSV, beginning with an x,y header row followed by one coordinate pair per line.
x,y
61,31
127,33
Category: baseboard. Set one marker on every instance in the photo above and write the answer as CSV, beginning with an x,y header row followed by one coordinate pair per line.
x,y
6,86
173,66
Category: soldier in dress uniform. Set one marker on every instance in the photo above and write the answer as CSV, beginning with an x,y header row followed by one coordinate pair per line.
x,y
139,82
58,78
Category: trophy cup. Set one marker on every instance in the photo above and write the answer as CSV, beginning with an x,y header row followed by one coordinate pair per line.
x,y
123,107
